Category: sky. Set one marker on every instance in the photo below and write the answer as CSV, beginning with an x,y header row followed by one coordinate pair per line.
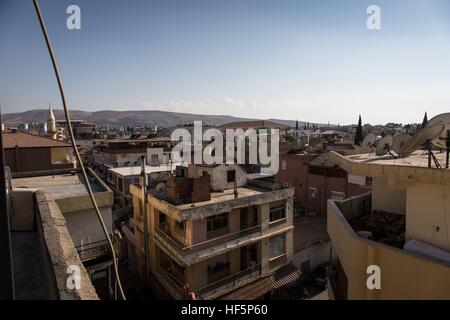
x,y
288,59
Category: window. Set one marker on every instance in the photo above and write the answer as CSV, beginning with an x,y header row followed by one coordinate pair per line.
x,y
180,225
277,246
231,175
217,222
119,183
255,215
219,263
154,158
162,218
277,212
283,164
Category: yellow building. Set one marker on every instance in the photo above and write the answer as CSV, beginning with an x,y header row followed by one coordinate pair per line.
x,y
402,227
228,244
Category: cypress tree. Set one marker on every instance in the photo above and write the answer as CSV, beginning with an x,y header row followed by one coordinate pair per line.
x,y
358,135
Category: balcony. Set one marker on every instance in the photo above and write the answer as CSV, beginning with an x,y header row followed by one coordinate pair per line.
x,y
93,250
232,282
206,247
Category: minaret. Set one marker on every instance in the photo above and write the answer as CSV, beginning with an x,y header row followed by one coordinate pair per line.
x,y
51,123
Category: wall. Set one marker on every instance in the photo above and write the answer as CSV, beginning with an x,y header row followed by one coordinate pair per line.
x,y
317,254
28,159
403,276
84,226
427,206
386,197
295,173
59,154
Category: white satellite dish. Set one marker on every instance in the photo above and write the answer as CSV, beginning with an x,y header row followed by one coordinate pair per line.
x,y
444,119
369,140
399,140
425,135
384,145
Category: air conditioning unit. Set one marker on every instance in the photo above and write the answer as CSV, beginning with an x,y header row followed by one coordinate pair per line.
x,y
313,193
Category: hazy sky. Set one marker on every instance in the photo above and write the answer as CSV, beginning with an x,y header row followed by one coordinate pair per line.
x,y
311,60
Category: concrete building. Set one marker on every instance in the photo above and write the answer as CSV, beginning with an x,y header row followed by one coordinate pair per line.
x,y
212,241
120,179
27,153
317,179
402,227
70,195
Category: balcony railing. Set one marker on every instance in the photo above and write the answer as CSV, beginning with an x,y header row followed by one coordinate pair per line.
x,y
92,250
185,250
235,280
278,222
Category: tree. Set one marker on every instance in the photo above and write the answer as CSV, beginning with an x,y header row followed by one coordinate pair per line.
x,y
358,135
425,120
296,124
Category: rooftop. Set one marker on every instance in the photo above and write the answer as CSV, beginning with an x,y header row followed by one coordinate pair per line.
x,y
411,168
13,139
136,170
60,186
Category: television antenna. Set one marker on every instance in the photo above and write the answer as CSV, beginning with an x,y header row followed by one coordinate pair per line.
x,y
423,139
384,146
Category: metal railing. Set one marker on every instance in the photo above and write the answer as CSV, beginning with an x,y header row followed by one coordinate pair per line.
x,y
229,282
278,222
184,250
92,250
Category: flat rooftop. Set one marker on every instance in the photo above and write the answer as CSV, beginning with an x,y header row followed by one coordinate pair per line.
x,y
60,186
415,159
226,195
136,170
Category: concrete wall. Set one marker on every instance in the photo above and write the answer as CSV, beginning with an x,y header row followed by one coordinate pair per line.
x,y
59,154
316,254
387,197
403,276
428,207
84,227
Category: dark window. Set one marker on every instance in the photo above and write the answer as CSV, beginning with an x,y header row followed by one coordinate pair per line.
x,y
255,215
162,218
277,212
217,222
219,263
180,225
231,175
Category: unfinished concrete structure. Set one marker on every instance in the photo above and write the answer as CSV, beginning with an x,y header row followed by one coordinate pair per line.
x,y
402,227
217,244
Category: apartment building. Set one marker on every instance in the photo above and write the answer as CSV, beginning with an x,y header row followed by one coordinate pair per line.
x,y
402,227
216,234
69,193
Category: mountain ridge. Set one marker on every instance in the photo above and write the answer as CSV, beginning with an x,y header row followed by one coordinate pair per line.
x,y
119,118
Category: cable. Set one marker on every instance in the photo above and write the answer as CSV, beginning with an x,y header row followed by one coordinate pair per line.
x,y
74,145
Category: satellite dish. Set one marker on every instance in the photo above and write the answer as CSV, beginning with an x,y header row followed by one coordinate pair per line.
x,y
420,138
384,145
444,119
369,140
399,140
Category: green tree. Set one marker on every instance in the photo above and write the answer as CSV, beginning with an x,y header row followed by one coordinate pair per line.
x,y
359,134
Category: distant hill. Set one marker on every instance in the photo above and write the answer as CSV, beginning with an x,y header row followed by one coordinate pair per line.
x,y
129,118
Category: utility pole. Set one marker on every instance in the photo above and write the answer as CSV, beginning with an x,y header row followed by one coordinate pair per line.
x,y
143,183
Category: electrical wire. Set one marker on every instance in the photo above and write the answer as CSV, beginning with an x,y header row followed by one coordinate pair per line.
x,y
74,145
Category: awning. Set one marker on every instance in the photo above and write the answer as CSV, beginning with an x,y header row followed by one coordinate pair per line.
x,y
285,276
